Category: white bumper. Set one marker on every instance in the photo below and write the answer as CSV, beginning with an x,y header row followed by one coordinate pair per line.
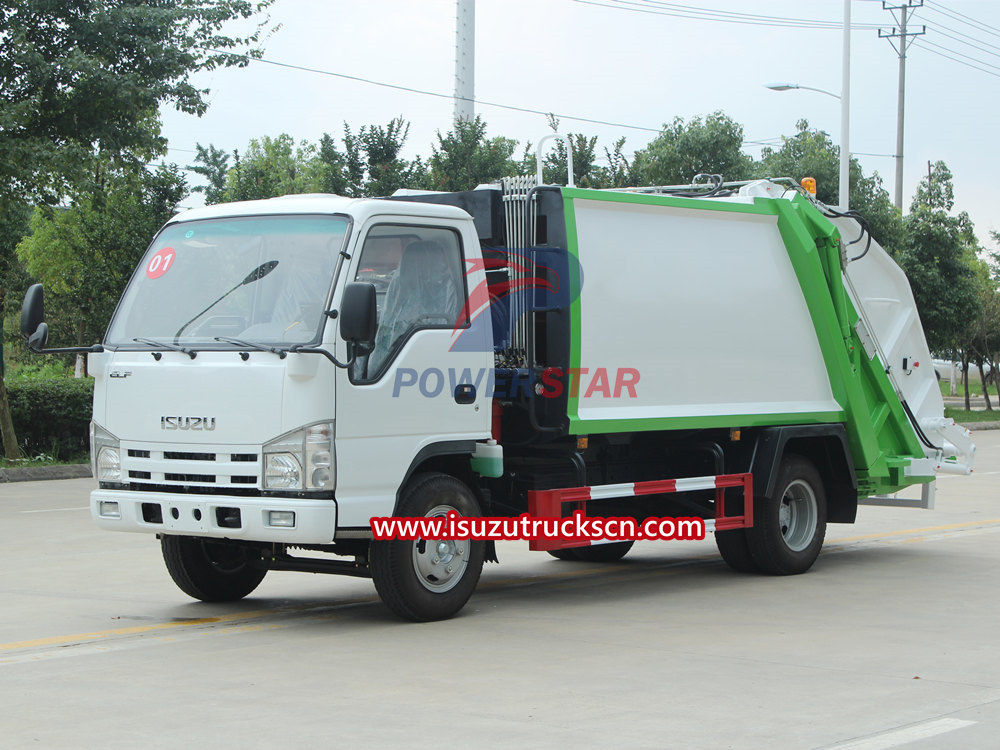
x,y
213,516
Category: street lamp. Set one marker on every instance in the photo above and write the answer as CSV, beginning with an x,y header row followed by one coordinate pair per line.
x,y
845,107
845,154
790,86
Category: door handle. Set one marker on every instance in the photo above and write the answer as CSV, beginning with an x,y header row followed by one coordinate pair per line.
x,y
465,393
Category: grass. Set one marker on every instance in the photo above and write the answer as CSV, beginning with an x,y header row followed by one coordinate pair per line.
x,y
978,415
44,460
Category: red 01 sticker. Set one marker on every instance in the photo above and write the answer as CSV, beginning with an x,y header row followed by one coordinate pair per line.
x,y
160,263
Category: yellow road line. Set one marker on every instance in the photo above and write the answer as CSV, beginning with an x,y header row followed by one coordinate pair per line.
x,y
924,530
133,630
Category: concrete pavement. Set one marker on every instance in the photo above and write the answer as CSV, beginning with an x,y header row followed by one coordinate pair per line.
x,y
890,641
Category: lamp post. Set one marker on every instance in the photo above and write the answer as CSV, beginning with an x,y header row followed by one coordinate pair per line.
x,y
845,154
845,108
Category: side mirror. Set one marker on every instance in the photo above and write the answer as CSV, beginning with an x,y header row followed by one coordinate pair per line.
x,y
33,310
358,313
37,340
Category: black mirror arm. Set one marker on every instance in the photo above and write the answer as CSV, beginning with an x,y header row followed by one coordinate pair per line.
x,y
299,349
68,350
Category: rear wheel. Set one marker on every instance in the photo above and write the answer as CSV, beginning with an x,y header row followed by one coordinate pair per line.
x,y
209,570
564,554
789,528
429,579
735,550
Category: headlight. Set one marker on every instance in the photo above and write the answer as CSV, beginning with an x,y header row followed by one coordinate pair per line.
x,y
301,460
105,455
282,471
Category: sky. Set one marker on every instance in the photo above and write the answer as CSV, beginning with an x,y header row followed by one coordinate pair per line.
x,y
632,63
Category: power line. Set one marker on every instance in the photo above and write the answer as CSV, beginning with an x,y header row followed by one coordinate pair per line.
x,y
938,27
955,59
774,141
674,10
962,18
436,94
925,44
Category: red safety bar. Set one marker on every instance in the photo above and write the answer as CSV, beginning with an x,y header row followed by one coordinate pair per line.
x,y
549,503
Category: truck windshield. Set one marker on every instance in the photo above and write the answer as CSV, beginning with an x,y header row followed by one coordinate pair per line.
x,y
262,280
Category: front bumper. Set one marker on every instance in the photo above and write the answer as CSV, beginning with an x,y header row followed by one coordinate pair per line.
x,y
216,516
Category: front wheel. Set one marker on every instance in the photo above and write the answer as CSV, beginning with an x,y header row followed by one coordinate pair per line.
x,y
789,528
429,579
209,570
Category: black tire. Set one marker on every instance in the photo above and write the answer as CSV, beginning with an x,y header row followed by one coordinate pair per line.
x,y
420,582
564,554
789,528
209,570
735,550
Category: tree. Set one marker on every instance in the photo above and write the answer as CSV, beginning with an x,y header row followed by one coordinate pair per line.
x,y
80,76
811,153
373,162
938,257
465,158
213,164
984,330
620,172
12,272
85,254
268,168
328,170
711,145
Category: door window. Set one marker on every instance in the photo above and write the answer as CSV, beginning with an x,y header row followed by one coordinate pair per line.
x,y
419,283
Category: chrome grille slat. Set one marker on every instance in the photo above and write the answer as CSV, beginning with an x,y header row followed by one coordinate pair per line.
x,y
186,466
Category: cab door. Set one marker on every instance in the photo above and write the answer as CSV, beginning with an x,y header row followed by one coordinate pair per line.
x,y
425,386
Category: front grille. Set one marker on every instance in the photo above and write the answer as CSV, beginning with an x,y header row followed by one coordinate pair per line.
x,y
183,456
227,468
202,478
194,489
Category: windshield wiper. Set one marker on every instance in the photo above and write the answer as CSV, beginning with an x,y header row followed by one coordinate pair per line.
x,y
163,345
256,274
250,345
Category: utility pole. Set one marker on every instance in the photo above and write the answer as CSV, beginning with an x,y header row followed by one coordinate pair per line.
x,y
903,35
465,60
845,112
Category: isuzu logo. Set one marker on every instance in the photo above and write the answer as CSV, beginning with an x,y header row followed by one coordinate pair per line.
x,y
187,423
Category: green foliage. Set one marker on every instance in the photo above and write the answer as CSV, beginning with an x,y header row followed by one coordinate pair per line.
x,y
811,153
465,158
52,416
213,164
38,368
85,254
966,416
270,167
938,259
80,76
711,145
328,170
373,162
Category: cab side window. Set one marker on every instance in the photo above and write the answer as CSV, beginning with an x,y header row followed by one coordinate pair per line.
x,y
419,283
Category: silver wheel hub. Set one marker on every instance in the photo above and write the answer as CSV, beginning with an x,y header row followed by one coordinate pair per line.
x,y
798,515
440,564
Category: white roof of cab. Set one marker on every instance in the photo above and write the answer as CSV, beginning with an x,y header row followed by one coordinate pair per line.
x,y
319,203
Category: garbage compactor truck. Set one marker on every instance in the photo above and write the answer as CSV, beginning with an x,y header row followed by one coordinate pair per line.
x,y
280,372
